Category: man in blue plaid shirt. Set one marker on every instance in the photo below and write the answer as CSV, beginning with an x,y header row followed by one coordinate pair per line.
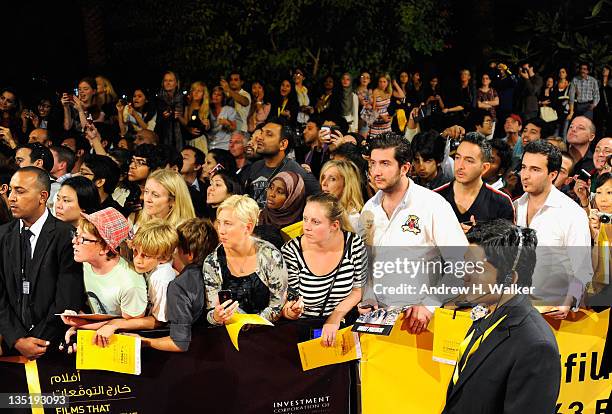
x,y
584,93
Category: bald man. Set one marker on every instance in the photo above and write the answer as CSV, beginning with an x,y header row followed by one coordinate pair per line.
x,y
38,274
579,136
144,136
40,136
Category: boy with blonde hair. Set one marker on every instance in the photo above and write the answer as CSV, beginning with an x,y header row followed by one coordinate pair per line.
x,y
186,302
153,247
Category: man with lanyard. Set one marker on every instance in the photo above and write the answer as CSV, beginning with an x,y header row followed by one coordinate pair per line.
x,y
38,274
403,214
509,359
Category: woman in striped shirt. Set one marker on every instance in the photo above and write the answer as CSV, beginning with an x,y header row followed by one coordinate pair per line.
x,y
326,266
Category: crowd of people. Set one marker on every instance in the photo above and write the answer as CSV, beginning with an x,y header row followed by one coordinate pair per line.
x,y
175,209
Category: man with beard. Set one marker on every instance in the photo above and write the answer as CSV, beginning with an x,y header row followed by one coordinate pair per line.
x,y
404,214
471,199
273,144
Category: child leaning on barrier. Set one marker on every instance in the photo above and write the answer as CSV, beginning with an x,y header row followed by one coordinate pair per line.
x,y
153,246
186,299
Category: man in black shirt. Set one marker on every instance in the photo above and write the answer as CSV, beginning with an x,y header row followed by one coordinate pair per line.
x,y
103,172
580,134
273,144
471,199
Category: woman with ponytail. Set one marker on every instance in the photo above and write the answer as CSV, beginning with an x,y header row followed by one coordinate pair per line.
x,y
326,266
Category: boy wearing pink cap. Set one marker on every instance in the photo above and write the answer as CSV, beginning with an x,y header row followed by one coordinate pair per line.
x,y
112,286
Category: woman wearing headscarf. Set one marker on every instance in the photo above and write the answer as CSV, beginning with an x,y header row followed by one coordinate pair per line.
x,y
285,199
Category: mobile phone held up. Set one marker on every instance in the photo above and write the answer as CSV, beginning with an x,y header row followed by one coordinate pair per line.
x,y
292,294
225,295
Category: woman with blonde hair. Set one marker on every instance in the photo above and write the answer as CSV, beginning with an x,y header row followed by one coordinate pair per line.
x,y
166,197
106,99
106,94
195,118
342,179
327,266
381,98
243,274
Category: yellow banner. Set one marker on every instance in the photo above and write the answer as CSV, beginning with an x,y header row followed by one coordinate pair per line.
x,y
398,374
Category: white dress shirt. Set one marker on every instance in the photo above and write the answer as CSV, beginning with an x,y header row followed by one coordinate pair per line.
x,y
35,229
564,246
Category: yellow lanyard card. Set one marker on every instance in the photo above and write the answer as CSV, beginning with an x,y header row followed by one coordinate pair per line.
x,y
449,330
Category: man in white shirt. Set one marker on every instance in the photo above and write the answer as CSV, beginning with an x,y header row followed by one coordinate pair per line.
x,y
563,257
241,98
404,214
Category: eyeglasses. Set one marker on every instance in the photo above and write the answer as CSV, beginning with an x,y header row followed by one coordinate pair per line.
x,y
80,239
138,163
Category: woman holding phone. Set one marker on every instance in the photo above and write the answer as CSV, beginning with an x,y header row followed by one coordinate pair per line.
x,y
243,274
82,109
137,115
222,120
218,160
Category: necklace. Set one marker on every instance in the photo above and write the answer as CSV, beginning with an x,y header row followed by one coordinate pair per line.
x,y
241,266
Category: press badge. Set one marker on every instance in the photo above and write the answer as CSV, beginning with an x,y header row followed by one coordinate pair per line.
x,y
449,329
26,287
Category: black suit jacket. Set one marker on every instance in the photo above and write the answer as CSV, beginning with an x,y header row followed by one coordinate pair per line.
x,y
198,198
516,369
56,282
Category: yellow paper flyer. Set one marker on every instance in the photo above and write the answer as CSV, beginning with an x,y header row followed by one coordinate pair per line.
x,y
449,330
294,230
314,355
121,355
239,320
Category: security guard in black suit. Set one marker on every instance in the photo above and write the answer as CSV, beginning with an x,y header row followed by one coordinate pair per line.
x,y
38,274
509,361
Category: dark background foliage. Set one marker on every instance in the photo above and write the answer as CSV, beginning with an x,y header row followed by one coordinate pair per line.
x,y
53,44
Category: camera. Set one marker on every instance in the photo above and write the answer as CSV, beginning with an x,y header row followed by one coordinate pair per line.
x,y
584,175
425,111
604,218
365,147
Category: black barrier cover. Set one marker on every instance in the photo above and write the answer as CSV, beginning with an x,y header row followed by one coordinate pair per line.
x,y
265,377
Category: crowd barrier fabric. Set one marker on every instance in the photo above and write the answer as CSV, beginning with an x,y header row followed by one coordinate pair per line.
x,y
265,377
398,374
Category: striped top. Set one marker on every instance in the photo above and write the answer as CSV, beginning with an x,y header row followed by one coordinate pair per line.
x,y
379,126
313,288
